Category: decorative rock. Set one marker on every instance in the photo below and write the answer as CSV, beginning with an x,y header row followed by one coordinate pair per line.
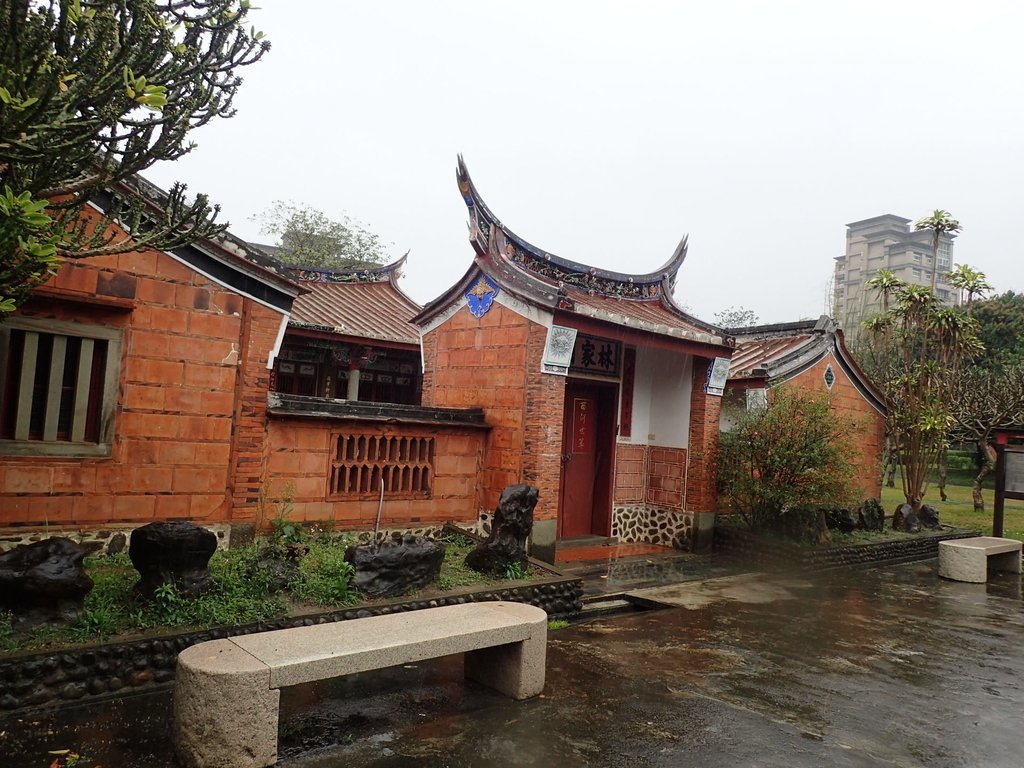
x,y
842,520
175,552
871,516
513,521
43,583
395,566
929,517
117,543
904,519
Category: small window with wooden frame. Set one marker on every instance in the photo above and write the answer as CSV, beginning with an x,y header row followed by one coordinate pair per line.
x,y
59,387
363,461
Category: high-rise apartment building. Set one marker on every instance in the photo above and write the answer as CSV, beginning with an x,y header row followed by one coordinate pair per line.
x,y
885,242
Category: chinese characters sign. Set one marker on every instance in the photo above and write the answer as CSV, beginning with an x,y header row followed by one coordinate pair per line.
x,y
582,425
718,373
595,355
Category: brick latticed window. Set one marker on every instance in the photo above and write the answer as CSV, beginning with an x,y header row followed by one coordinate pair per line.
x,y
405,464
59,388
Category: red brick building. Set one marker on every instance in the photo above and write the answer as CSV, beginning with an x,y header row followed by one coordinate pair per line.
x,y
593,383
812,354
345,413
136,387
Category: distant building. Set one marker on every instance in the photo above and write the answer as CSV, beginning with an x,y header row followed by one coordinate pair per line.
x,y
885,242
810,355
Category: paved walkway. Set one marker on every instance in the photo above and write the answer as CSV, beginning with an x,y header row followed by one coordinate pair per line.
x,y
886,667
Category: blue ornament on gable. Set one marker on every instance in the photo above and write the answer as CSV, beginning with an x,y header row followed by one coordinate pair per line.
x,y
481,295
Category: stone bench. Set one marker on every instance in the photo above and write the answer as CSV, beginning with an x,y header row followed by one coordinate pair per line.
x,y
969,559
226,692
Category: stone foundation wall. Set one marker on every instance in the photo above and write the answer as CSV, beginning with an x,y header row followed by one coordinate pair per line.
x,y
652,525
107,540
75,675
762,551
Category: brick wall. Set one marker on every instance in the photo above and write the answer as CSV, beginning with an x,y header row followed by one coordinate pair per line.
x,y
630,474
705,410
249,440
848,400
299,465
185,340
493,362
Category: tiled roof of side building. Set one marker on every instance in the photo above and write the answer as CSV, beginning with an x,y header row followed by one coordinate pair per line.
x,y
365,304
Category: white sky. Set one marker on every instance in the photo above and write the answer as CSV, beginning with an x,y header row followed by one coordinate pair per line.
x,y
604,131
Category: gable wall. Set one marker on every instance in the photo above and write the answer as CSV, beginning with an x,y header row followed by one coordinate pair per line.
x,y
191,390
493,362
849,401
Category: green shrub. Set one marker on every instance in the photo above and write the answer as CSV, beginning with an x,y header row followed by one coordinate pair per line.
x,y
777,465
323,575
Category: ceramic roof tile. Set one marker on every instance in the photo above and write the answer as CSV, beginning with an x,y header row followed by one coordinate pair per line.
x,y
369,310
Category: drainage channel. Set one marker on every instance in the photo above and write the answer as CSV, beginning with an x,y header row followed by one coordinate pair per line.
x,y
615,604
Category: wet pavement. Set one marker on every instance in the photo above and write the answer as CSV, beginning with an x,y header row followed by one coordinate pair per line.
x,y
883,667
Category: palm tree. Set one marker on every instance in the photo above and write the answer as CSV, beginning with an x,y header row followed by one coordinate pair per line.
x,y
939,222
885,284
969,282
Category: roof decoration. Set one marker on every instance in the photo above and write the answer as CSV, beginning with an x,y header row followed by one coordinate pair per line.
x,y
369,274
641,303
487,233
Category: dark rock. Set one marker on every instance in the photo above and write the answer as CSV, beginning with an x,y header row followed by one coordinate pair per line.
x,y
871,515
841,520
904,519
9,702
280,571
43,583
513,521
97,686
116,544
73,691
929,517
175,552
395,566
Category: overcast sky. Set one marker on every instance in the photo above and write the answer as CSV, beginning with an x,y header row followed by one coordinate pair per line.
x,y
604,131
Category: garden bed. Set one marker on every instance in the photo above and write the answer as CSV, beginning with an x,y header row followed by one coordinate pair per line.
x,y
71,667
859,548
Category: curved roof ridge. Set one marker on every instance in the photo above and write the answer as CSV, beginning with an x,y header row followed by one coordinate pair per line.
x,y
368,274
529,258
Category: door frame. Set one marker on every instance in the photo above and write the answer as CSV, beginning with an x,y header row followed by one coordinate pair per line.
x,y
607,395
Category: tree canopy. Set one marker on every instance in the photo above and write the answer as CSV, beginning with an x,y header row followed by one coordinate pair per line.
x,y
309,238
916,353
1001,328
91,93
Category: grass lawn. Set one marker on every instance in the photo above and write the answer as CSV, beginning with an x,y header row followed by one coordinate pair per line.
x,y
959,510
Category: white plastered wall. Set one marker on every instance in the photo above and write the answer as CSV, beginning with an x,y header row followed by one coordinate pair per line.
x,y
661,398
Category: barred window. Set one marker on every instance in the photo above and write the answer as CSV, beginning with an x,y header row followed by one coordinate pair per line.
x,y
361,462
59,387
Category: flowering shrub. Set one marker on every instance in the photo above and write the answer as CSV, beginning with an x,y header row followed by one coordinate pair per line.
x,y
780,464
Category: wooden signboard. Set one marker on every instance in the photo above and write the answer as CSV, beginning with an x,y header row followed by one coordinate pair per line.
x,y
1009,481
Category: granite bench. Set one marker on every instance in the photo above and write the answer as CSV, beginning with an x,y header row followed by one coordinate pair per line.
x,y
226,692
969,559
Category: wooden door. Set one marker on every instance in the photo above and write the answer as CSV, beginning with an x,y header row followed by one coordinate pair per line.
x,y
586,460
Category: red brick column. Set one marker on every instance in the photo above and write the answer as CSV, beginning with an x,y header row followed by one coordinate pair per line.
x,y
704,413
542,426
249,444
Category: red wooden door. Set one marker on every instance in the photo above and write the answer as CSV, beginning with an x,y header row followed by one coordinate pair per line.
x,y
579,457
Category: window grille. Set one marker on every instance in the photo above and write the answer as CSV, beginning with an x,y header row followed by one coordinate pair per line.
x,y
405,464
59,387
